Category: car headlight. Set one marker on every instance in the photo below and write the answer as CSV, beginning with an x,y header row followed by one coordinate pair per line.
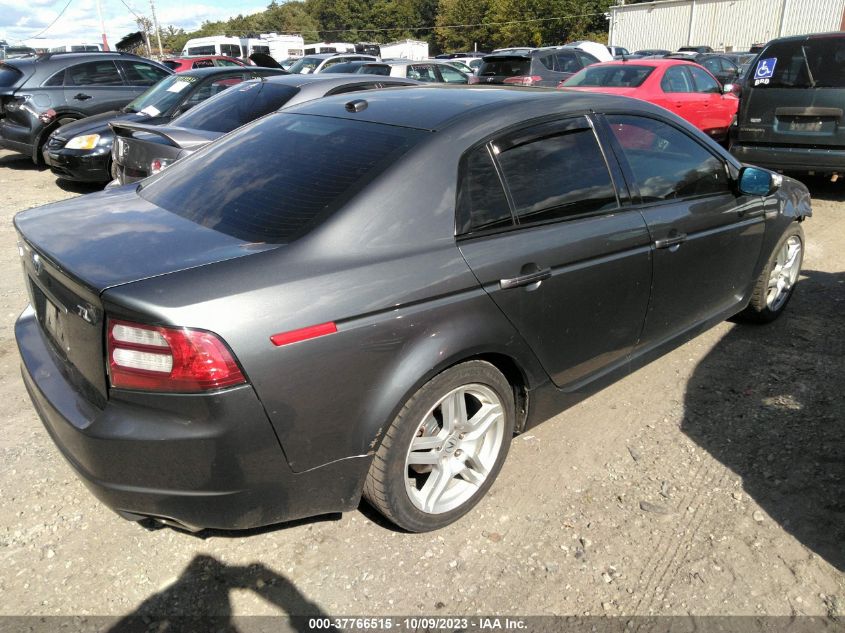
x,y
88,141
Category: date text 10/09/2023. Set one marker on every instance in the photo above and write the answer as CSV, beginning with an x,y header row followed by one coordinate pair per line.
x,y
417,623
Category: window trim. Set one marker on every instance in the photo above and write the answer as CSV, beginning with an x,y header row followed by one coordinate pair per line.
x,y
628,173
555,122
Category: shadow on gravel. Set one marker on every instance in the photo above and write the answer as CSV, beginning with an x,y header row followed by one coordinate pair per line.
x,y
78,187
200,600
20,162
768,403
822,188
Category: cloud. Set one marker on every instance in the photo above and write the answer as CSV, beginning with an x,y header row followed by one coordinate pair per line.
x,y
80,21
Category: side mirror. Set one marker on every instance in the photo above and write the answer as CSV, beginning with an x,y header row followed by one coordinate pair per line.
x,y
754,181
727,89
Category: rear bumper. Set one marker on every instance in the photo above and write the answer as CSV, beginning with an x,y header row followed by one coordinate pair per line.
x,y
790,158
79,165
198,461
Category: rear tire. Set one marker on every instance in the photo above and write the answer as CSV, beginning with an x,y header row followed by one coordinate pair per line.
x,y
444,449
776,283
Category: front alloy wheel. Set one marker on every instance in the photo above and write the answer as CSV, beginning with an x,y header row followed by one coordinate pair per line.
x,y
777,281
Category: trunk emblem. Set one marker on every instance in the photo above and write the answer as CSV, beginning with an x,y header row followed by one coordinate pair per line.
x,y
86,313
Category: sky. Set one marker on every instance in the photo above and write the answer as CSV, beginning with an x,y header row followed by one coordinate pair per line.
x,y
23,20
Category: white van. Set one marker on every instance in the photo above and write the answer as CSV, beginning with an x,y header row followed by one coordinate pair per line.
x,y
216,45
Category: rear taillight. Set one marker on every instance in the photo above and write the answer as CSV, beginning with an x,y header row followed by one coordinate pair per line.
x,y
527,80
154,358
158,164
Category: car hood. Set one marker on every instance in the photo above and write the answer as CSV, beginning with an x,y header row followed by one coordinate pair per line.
x,y
99,123
116,237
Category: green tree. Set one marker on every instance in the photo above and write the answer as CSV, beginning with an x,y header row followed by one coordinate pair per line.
x,y
452,15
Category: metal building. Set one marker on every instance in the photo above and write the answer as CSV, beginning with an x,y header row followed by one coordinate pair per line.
x,y
722,24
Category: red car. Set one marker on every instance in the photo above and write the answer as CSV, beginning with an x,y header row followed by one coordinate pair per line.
x,y
682,87
181,64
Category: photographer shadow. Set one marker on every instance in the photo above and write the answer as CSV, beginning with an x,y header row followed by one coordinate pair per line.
x,y
767,402
200,600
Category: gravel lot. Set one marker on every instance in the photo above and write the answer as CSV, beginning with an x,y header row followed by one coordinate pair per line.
x,y
711,482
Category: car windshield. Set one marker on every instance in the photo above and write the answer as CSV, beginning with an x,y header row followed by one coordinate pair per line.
x,y
621,76
305,65
812,63
505,66
163,96
237,106
277,178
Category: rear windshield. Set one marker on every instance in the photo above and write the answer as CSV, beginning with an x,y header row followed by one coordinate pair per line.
x,y
236,106
505,67
279,177
622,76
170,64
305,65
814,63
9,75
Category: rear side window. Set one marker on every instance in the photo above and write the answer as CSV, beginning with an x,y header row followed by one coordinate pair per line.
x,y
202,50
560,172
627,76
507,67
9,75
203,63
666,163
482,203
813,63
141,74
236,107
568,62
102,73
232,50
676,79
375,69
421,72
288,174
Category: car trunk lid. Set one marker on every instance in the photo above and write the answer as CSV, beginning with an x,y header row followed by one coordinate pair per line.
x,y
74,250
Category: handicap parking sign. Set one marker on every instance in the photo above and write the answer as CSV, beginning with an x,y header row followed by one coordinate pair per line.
x,y
765,68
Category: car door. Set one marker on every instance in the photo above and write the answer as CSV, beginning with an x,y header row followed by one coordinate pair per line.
x,y
678,94
714,110
706,237
96,86
541,225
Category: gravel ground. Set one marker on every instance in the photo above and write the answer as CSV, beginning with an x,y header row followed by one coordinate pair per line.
x,y
711,482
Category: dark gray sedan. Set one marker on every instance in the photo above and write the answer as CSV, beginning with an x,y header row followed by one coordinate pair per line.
x,y
141,149
370,294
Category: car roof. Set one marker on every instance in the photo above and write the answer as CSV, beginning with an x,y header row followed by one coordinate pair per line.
x,y
299,81
656,62
437,106
812,36
58,58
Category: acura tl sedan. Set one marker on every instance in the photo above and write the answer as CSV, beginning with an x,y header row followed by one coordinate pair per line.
x,y
370,294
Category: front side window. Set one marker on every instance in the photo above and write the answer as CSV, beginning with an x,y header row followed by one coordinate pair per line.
x,y
102,73
421,72
666,163
703,81
676,79
560,172
141,74
451,75
482,204
202,50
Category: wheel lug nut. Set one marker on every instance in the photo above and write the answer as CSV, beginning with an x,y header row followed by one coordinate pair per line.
x,y
462,436
458,453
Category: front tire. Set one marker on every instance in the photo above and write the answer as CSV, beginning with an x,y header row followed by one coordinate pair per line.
x,y
445,448
776,283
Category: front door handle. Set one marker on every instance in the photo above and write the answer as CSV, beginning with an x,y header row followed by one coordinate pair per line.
x,y
669,242
525,280
79,96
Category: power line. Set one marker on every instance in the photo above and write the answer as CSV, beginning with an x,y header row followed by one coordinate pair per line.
x,y
61,13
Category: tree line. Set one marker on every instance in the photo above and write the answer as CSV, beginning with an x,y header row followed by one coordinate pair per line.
x,y
447,25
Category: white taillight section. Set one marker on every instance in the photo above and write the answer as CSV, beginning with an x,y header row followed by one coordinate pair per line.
x,y
157,358
146,361
137,336
158,164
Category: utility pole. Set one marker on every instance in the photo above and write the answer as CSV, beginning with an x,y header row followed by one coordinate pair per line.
x,y
102,26
155,26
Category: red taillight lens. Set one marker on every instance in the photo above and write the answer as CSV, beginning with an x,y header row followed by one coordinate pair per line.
x,y
156,358
158,164
528,80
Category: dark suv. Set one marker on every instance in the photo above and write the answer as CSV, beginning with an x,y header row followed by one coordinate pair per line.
x,y
40,93
538,67
791,117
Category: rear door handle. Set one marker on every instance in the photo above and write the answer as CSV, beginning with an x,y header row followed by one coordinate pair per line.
x,y
669,242
79,96
525,280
